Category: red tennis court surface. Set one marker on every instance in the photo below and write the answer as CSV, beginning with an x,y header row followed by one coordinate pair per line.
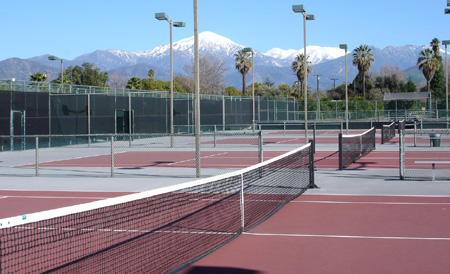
x,y
343,234
217,159
148,159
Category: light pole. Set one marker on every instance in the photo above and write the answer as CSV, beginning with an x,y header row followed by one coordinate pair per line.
x,y
253,84
54,58
301,9
197,90
445,43
344,47
164,16
318,78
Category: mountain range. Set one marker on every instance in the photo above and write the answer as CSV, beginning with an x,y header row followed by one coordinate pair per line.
x,y
275,64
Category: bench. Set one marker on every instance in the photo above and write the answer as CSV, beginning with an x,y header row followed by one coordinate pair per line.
x,y
433,164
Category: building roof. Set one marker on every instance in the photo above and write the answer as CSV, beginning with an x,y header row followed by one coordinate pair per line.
x,y
406,96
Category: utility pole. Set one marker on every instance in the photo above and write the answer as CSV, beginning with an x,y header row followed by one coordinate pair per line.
x,y
318,77
334,84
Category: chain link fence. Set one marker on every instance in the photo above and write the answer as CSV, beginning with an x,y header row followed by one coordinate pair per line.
x,y
425,154
116,155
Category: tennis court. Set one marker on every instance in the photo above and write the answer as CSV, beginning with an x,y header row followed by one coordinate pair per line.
x,y
343,234
261,218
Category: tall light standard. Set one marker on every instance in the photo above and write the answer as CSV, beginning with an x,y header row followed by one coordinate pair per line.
x,y
164,16
253,84
197,90
344,47
54,58
301,9
445,43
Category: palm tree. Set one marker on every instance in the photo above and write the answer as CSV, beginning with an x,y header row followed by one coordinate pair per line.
x,y
298,68
151,74
243,65
435,46
38,77
134,83
363,58
429,64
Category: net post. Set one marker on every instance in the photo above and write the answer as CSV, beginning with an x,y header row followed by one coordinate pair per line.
x,y
312,150
260,146
340,151
402,154
382,134
37,156
112,155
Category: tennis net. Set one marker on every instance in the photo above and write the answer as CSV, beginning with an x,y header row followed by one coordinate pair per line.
x,y
158,231
387,132
353,147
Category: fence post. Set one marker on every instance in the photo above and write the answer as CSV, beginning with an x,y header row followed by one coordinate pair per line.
x,y
112,155
260,147
402,153
215,129
314,131
340,151
37,156
415,129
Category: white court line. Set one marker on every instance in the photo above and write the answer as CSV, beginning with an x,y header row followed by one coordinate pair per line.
x,y
348,236
288,140
374,203
189,160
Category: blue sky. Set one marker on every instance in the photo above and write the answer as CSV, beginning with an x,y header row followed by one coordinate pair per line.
x,y
68,28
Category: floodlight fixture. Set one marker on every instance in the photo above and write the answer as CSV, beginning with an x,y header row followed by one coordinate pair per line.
x,y
310,17
299,8
343,46
54,58
447,11
247,50
179,24
446,42
448,3
161,16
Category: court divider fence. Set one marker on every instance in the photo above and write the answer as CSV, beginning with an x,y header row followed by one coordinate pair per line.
x,y
111,155
424,154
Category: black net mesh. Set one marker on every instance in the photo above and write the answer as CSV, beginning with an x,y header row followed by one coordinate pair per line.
x,y
353,147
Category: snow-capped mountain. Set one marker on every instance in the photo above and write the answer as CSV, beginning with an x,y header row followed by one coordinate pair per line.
x,y
316,54
274,64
